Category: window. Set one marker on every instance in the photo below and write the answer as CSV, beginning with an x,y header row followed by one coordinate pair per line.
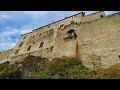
x,y
101,15
24,37
61,25
17,51
46,32
39,35
119,56
21,44
70,31
33,36
72,22
7,56
29,48
41,44
70,34
48,26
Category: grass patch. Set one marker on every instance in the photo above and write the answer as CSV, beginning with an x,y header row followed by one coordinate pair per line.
x,y
59,68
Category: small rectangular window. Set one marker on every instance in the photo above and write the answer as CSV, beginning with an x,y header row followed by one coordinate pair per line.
x,y
72,22
21,44
101,15
119,56
48,26
39,35
41,44
33,36
61,25
24,37
17,51
29,48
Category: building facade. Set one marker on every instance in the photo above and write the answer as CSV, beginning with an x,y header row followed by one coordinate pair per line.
x,y
94,39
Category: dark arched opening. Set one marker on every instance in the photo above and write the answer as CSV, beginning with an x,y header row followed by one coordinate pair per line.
x,y
71,31
70,34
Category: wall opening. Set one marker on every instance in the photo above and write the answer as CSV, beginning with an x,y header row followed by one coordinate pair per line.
x,y
7,56
61,25
41,44
7,62
21,44
72,22
33,36
101,15
39,35
17,51
46,32
119,56
70,35
29,48
70,31
24,37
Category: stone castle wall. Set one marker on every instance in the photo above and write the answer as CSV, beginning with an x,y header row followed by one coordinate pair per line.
x,y
94,39
99,41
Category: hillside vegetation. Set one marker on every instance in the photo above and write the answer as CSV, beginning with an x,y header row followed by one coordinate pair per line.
x,y
59,68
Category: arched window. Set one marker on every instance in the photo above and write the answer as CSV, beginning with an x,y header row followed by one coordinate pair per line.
x,y
70,31
70,34
29,48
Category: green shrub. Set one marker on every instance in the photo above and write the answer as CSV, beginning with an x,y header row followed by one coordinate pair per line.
x,y
59,68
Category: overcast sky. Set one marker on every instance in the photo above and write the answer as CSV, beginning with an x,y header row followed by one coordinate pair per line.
x,y
15,23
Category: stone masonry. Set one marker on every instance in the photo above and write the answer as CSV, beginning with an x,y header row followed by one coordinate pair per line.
x,y
94,39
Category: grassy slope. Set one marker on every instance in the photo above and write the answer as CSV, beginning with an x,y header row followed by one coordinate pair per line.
x,y
59,68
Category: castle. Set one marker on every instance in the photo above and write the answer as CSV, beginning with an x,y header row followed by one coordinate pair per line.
x,y
94,39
